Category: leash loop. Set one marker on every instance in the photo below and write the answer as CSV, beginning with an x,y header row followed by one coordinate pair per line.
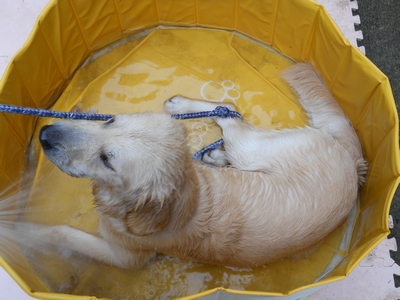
x,y
219,111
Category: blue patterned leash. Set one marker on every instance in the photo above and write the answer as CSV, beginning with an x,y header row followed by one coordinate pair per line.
x,y
200,153
219,111
12,109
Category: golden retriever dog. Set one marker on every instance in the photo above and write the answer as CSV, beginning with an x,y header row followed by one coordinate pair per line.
x,y
270,194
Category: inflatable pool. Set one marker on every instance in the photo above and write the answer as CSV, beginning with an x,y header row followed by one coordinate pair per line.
x,y
118,57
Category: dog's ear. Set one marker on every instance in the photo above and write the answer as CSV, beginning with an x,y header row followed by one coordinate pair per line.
x,y
150,216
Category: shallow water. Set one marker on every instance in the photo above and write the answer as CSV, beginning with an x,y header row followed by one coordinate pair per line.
x,y
139,76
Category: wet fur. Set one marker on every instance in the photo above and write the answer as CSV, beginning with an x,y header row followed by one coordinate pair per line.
x,y
282,193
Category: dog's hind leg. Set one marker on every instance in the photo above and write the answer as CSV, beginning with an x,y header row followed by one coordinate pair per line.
x,y
324,112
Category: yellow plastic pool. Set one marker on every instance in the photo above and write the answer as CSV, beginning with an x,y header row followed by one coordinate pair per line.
x,y
118,57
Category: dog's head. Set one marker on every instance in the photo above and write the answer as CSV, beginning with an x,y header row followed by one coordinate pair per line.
x,y
135,161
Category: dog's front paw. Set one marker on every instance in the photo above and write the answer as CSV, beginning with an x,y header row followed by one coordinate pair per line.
x,y
32,235
26,228
177,105
40,233
216,158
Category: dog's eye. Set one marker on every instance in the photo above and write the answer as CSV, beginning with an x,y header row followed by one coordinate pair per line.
x,y
104,158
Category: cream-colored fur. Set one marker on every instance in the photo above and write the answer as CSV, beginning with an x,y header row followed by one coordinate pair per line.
x,y
283,191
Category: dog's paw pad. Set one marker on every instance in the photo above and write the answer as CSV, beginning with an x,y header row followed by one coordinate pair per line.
x,y
216,158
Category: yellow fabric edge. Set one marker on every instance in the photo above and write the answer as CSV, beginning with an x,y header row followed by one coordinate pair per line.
x,y
21,283
44,295
31,36
15,276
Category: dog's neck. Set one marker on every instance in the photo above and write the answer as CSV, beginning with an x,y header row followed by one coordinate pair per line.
x,y
153,215
185,202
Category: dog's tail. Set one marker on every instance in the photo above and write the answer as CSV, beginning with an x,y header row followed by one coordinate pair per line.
x,y
324,112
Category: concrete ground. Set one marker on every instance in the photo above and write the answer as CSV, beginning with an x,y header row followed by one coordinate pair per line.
x,y
380,24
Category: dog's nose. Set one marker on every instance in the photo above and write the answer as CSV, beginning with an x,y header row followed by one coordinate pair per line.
x,y
43,138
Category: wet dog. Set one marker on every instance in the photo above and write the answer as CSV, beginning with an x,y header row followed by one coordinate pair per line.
x,y
272,194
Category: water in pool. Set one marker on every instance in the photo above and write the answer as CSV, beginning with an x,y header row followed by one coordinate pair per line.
x,y
139,75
